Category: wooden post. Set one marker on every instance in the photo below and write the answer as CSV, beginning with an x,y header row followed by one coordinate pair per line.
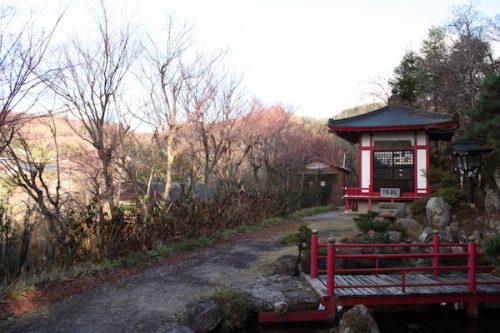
x,y
314,254
330,267
471,275
435,252
472,309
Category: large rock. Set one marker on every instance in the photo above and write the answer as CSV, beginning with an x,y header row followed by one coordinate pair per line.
x,y
426,235
358,320
267,291
178,329
445,237
280,308
492,202
392,210
203,316
496,176
394,236
454,230
494,224
438,212
285,264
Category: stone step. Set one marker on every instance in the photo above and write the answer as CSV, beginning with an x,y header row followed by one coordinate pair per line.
x,y
392,210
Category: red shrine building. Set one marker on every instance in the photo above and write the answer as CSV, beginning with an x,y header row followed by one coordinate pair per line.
x,y
393,146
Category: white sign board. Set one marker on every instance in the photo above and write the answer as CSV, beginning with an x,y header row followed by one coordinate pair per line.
x,y
389,192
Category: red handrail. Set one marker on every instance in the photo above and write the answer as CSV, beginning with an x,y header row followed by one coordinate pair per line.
x,y
471,268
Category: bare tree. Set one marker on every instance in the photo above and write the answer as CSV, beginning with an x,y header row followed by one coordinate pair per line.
x,y
167,75
32,164
214,107
23,48
90,81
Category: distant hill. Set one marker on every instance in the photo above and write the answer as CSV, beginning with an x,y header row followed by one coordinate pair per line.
x,y
357,110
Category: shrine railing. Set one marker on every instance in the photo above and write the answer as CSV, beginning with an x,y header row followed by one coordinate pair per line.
x,y
470,255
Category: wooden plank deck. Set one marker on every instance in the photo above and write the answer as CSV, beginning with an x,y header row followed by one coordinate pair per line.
x,y
319,285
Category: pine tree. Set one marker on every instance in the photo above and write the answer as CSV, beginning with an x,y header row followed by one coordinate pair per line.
x,y
407,78
486,122
434,70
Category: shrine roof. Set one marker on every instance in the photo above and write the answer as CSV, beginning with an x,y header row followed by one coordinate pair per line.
x,y
392,116
395,117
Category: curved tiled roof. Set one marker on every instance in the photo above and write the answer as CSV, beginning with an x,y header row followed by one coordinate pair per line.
x,y
392,116
395,118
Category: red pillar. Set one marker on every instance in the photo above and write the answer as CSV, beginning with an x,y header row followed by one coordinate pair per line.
x,y
471,276
330,267
435,252
314,254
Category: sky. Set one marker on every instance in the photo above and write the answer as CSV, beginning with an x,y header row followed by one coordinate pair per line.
x,y
318,57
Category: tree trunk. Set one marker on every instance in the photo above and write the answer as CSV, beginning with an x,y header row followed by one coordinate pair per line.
x,y
170,152
108,182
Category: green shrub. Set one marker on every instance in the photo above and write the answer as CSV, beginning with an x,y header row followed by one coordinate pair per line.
x,y
369,221
302,239
445,181
491,249
417,209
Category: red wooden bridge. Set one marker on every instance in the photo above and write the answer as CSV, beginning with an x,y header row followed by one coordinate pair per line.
x,y
455,275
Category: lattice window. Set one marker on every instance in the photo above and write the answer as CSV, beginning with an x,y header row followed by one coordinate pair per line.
x,y
393,169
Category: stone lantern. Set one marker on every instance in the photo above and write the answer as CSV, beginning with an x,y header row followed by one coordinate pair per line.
x,y
468,163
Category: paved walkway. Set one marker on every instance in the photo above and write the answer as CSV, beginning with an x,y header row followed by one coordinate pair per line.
x,y
151,301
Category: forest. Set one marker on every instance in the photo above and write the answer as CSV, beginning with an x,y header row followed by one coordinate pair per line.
x,y
123,142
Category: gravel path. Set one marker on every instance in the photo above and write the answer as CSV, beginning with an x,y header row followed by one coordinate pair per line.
x,y
151,301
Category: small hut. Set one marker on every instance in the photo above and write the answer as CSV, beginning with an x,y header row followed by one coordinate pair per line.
x,y
327,180
393,144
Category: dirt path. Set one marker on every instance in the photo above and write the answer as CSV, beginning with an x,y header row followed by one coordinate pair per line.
x,y
151,300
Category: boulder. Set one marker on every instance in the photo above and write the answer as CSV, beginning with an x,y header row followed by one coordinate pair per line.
x,y
494,224
496,176
392,210
407,222
438,212
426,235
474,237
454,230
280,308
445,237
178,329
492,202
285,264
394,236
358,320
203,316
266,292
462,236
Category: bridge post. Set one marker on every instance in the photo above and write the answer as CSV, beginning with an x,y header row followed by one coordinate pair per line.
x,y
435,252
330,267
471,274
314,254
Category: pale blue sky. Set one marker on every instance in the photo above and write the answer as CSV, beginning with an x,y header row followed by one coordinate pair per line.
x,y
316,55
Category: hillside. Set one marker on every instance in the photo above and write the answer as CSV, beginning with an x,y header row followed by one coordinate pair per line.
x,y
357,110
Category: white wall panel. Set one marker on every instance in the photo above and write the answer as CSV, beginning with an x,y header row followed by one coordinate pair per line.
x,y
365,169
394,136
421,138
365,139
421,168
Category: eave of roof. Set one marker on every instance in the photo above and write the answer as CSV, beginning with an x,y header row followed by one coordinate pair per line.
x,y
394,118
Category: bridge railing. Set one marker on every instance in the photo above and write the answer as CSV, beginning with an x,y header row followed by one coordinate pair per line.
x,y
470,254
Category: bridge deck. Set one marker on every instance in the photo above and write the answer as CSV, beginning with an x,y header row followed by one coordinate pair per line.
x,y
341,281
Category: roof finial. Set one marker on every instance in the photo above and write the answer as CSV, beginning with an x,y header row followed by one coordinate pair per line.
x,y
395,99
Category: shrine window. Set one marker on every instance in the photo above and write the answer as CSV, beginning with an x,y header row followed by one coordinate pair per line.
x,y
393,169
